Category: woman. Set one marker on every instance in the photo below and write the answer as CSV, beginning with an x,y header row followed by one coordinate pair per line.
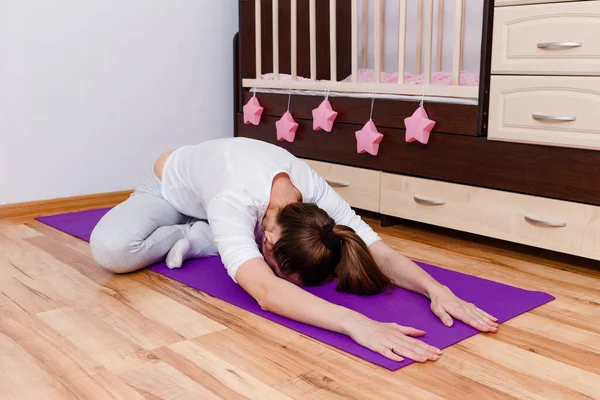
x,y
277,225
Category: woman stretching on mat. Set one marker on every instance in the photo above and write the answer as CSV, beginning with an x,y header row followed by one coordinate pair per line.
x,y
276,225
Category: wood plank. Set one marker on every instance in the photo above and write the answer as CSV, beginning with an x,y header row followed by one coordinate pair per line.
x,y
428,38
71,369
61,205
480,368
26,260
333,39
401,40
275,22
450,384
313,39
440,36
196,373
379,28
180,319
408,89
354,53
583,316
313,385
91,335
234,377
267,361
258,37
165,382
570,354
20,370
294,38
364,33
127,321
579,338
457,52
575,379
419,58
17,230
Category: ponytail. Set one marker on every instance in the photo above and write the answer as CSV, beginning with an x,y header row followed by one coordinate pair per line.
x,y
313,249
357,271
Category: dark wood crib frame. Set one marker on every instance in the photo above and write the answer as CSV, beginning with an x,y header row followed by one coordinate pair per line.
x,y
458,150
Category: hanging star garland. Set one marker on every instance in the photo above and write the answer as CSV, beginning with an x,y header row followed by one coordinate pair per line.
x,y
368,139
252,111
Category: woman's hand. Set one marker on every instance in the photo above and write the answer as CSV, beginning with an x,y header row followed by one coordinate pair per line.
x,y
446,305
391,340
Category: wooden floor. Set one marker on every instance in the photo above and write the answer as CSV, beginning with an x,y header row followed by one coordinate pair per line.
x,y
70,330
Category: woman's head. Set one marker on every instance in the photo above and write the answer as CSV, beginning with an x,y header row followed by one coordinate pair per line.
x,y
307,247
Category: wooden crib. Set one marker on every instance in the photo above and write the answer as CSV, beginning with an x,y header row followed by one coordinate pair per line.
x,y
349,33
513,177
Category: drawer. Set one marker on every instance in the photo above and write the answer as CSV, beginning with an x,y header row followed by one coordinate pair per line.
x,y
553,111
566,227
358,186
559,38
499,3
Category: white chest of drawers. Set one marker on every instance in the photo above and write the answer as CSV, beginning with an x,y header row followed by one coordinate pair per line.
x,y
545,84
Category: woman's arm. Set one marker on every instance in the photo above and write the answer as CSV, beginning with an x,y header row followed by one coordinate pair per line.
x,y
406,274
286,299
402,271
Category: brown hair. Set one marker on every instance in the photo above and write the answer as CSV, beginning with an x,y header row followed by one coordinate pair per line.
x,y
313,247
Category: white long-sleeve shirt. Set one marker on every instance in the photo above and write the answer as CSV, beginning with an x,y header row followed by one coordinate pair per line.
x,y
228,182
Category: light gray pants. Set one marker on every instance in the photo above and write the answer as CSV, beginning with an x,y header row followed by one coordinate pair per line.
x,y
138,232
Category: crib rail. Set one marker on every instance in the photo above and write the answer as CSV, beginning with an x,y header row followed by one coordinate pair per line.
x,y
424,56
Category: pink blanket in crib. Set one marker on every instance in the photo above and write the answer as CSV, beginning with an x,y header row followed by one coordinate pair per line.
x,y
368,75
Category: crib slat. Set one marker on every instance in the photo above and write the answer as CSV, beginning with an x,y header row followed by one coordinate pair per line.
x,y
258,44
365,27
332,38
383,3
354,40
428,40
419,67
440,35
313,39
275,39
293,36
458,41
401,40
379,4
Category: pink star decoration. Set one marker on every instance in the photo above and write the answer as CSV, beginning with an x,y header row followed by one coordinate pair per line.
x,y
323,116
286,127
418,126
252,111
368,139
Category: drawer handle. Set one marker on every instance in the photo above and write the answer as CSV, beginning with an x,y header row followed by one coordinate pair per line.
x,y
554,224
564,118
428,201
337,183
560,45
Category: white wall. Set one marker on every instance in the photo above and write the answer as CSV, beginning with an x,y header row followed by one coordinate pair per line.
x,y
472,35
92,91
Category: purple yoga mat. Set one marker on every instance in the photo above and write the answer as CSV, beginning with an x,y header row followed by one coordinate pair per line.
x,y
401,306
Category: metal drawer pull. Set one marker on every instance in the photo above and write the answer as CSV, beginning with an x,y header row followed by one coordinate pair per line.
x,y
429,202
554,117
554,224
337,183
563,45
